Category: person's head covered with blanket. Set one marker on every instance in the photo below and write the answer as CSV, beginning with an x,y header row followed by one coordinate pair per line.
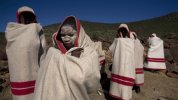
x,y
25,49
155,57
26,15
152,40
123,31
67,36
71,34
122,73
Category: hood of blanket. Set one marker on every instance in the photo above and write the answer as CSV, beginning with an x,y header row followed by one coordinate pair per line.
x,y
124,26
23,9
133,35
72,20
153,40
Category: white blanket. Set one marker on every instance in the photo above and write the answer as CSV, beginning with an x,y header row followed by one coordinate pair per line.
x,y
139,50
65,77
25,45
123,69
155,60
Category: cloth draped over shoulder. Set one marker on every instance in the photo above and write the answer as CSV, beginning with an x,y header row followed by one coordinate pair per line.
x,y
26,46
66,77
123,68
85,41
155,59
139,58
126,71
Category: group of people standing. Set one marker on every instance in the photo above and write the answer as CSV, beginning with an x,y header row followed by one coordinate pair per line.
x,y
70,70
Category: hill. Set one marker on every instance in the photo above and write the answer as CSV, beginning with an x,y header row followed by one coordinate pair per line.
x,y
162,25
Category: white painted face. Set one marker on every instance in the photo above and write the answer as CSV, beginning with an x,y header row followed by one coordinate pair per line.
x,y
68,35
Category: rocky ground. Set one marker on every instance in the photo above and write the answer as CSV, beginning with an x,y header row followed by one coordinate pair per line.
x,y
157,86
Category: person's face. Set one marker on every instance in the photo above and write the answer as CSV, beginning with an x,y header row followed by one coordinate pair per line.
x,y
68,36
27,18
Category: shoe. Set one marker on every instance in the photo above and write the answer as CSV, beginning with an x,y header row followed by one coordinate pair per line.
x,y
137,89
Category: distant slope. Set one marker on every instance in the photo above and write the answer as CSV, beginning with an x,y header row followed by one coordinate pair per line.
x,y
163,26
94,29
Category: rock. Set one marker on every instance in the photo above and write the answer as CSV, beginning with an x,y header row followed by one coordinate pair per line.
x,y
172,75
1,88
2,81
174,53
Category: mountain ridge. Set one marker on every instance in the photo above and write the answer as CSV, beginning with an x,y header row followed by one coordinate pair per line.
x,y
162,26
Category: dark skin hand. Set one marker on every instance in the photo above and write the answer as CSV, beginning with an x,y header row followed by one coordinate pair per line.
x,y
77,52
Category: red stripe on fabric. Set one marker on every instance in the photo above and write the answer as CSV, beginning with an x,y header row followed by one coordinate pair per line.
x,y
139,72
116,97
139,69
22,84
122,82
122,77
61,47
155,60
23,91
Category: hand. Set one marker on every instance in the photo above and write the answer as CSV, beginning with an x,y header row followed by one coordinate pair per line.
x,y
76,52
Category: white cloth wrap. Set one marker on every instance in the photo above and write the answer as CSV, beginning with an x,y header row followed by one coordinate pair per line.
x,y
139,50
123,68
66,77
156,60
23,51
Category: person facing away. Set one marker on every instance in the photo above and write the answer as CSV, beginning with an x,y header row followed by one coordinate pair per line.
x,y
155,56
139,59
123,67
71,69
25,48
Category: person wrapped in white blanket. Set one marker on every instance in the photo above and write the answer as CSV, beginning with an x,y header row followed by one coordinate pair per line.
x,y
123,67
139,58
71,71
26,46
155,56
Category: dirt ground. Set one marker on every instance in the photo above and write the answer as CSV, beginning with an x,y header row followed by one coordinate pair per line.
x,y
157,86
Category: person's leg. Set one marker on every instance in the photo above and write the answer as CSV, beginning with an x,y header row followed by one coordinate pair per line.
x,y
136,88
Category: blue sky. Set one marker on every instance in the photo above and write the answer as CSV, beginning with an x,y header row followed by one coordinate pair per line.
x,y
107,11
